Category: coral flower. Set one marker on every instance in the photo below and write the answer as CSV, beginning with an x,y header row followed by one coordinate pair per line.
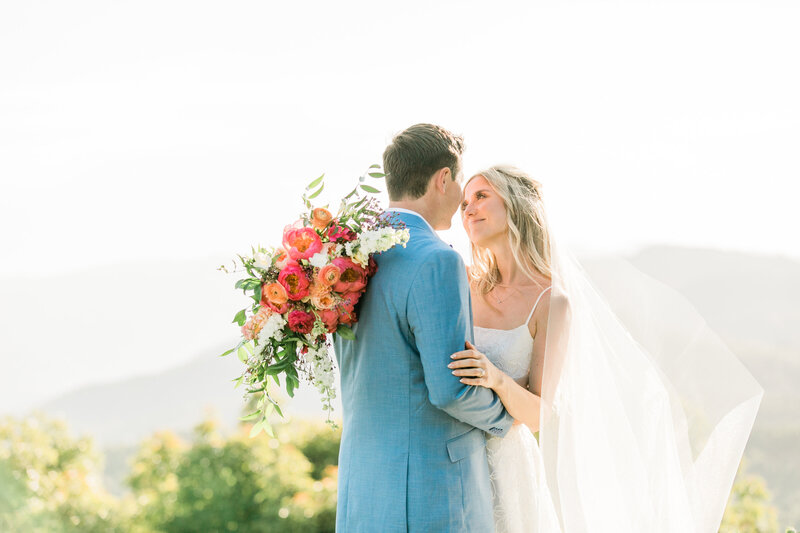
x,y
330,317
301,243
320,218
281,258
329,275
350,299
295,281
256,322
280,309
346,317
300,321
353,277
275,293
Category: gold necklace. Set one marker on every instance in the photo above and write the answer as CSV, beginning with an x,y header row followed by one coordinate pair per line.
x,y
498,300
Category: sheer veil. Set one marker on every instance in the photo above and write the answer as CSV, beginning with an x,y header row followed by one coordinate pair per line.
x,y
645,411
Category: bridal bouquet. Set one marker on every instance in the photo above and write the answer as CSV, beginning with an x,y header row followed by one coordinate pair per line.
x,y
306,289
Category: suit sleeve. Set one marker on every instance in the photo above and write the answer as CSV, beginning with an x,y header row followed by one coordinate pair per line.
x,y
440,320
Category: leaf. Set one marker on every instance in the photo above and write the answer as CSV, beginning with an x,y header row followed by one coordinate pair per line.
x,y
242,354
370,189
238,381
316,193
254,414
345,332
240,318
374,165
315,183
257,294
229,351
377,174
256,429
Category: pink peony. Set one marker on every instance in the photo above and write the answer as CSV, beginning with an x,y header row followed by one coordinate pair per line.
x,y
300,321
295,281
352,278
301,243
337,232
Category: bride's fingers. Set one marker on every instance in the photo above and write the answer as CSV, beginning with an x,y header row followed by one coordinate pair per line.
x,y
480,382
463,363
470,372
464,353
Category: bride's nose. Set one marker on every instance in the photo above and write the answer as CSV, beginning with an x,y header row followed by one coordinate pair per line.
x,y
469,210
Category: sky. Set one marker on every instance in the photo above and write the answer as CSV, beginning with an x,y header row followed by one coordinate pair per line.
x,y
171,131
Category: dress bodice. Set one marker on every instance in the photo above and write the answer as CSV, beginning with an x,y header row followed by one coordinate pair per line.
x,y
510,350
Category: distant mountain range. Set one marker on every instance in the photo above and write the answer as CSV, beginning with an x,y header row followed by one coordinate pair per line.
x,y
751,301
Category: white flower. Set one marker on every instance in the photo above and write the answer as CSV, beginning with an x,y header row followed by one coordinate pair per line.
x,y
263,260
319,260
272,329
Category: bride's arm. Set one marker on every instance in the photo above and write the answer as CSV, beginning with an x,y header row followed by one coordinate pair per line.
x,y
522,402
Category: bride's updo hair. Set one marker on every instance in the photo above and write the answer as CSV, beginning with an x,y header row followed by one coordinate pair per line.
x,y
528,234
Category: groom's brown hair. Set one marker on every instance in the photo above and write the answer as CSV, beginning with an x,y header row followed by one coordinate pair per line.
x,y
415,154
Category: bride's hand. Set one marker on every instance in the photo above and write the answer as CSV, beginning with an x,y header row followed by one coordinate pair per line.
x,y
474,368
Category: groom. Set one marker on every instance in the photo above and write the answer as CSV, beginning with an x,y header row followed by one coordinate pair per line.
x,y
412,455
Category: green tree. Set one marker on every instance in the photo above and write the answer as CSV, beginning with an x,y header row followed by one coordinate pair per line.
x,y
51,481
749,508
217,484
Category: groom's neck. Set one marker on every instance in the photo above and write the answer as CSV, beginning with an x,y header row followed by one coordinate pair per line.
x,y
421,206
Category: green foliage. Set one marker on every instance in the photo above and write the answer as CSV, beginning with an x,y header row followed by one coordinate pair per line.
x,y
51,481
237,483
749,508
320,444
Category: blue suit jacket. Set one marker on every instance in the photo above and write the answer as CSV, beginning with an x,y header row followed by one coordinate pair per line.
x,y
413,454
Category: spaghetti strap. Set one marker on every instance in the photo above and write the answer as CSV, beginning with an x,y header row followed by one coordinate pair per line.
x,y
537,303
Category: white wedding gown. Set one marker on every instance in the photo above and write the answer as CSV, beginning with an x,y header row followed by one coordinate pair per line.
x,y
521,500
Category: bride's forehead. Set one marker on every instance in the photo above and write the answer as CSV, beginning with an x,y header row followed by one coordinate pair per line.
x,y
477,183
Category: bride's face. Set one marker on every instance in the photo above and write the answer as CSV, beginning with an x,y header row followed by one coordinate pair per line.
x,y
483,212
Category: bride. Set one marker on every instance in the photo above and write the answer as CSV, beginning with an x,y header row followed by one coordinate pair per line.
x,y
642,413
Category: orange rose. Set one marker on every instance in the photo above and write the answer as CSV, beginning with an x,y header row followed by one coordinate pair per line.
x,y
323,301
275,293
329,275
320,218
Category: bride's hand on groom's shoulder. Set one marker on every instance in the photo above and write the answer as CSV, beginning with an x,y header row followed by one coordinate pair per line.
x,y
474,368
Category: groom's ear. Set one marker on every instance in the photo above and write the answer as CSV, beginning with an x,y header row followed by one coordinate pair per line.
x,y
440,179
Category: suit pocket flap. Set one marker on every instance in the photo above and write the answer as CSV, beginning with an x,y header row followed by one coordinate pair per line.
x,y
465,444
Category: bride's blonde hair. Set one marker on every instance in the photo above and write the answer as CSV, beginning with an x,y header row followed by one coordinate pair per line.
x,y
528,234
